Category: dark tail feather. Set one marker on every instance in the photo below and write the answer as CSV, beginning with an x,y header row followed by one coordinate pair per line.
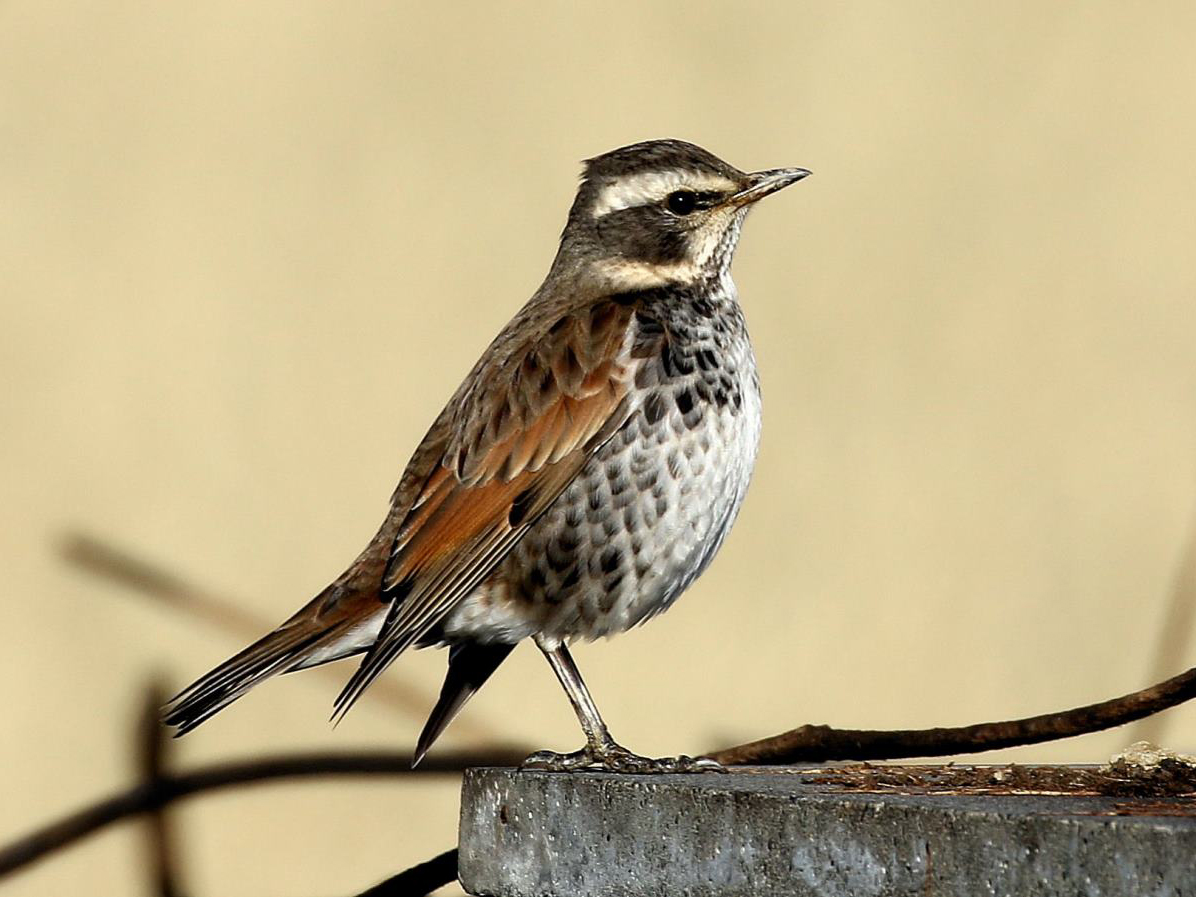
x,y
470,665
278,652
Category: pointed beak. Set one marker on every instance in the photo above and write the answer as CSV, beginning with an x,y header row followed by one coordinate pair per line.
x,y
762,183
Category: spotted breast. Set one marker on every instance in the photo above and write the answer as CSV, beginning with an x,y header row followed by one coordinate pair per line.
x,y
648,512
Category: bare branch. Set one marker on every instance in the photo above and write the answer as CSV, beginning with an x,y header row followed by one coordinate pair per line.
x,y
148,796
419,881
153,745
805,744
822,743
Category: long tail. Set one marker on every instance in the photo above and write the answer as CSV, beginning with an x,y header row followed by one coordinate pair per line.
x,y
342,619
469,667
295,645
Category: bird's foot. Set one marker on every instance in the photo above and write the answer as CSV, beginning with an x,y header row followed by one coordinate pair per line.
x,y
614,757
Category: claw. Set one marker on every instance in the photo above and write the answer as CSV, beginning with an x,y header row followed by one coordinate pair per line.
x,y
616,758
551,761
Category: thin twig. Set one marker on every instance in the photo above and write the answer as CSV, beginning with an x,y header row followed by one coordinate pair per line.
x,y
153,744
822,743
147,796
419,881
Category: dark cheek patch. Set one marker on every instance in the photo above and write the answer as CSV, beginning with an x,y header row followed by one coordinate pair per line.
x,y
644,233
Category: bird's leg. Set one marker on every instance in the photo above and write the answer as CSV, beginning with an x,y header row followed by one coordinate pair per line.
x,y
601,751
598,738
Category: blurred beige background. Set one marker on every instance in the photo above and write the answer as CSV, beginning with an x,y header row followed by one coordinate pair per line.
x,y
249,249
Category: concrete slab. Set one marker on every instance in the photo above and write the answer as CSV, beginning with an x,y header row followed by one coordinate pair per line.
x,y
850,832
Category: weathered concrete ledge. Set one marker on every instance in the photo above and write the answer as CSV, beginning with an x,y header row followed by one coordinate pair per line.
x,y
819,832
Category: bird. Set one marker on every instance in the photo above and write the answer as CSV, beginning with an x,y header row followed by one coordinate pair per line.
x,y
582,476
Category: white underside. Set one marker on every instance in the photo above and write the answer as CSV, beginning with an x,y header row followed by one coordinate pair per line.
x,y
356,639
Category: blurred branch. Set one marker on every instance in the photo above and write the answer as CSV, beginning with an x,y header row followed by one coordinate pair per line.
x,y
150,796
100,558
808,744
153,744
822,743
1175,634
420,880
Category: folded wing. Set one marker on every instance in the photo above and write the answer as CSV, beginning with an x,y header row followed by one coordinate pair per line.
x,y
526,424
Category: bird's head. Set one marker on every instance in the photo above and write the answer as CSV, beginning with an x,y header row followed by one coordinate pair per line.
x,y
662,211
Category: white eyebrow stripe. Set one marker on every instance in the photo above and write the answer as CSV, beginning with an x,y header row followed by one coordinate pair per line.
x,y
653,186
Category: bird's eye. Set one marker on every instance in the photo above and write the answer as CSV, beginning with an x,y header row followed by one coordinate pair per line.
x,y
681,202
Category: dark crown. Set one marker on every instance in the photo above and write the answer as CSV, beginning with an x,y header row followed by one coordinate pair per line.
x,y
657,155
